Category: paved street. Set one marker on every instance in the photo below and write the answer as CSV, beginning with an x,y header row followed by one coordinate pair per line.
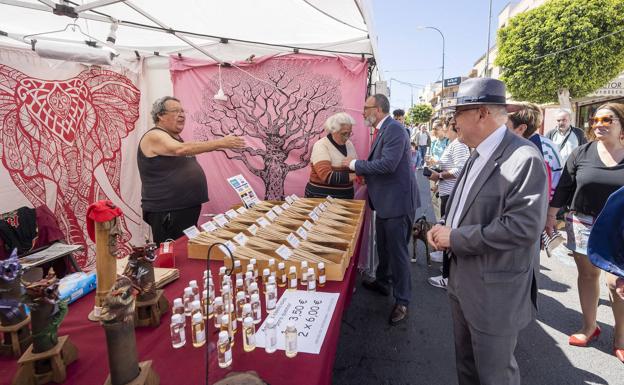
x,y
420,352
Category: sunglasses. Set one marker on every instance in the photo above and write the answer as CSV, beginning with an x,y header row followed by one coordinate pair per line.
x,y
604,120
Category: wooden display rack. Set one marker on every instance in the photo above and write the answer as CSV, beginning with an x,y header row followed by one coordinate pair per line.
x,y
148,313
147,376
20,338
59,357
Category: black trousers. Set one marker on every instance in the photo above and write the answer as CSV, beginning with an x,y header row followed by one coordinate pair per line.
x,y
443,200
171,224
393,235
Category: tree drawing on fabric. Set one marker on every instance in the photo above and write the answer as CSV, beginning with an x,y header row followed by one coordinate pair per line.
x,y
285,111
61,143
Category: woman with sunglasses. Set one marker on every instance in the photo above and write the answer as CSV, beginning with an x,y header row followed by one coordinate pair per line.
x,y
593,171
327,176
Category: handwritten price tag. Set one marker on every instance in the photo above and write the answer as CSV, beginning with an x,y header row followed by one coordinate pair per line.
x,y
308,225
317,211
221,220
302,233
271,215
322,206
262,221
285,206
253,229
208,226
290,200
284,252
231,214
241,210
228,248
241,239
277,209
314,216
191,232
293,240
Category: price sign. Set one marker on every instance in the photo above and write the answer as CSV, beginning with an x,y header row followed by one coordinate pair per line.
x,y
310,311
228,246
241,210
253,229
263,222
284,252
314,216
277,209
241,239
285,206
322,206
271,215
231,214
208,226
293,240
308,225
221,220
290,200
317,211
302,233
191,232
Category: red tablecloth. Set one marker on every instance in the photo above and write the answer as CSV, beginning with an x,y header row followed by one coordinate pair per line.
x,y
186,365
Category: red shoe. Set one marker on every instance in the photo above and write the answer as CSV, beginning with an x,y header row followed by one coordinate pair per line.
x,y
619,353
574,341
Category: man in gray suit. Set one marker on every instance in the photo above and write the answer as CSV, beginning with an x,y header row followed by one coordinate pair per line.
x,y
494,219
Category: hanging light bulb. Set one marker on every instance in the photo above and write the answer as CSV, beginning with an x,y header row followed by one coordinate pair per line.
x,y
220,95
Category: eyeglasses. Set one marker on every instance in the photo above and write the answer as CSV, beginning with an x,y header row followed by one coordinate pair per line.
x,y
604,120
176,112
457,112
346,134
367,107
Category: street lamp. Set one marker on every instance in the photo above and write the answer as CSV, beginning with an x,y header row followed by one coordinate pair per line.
x,y
443,43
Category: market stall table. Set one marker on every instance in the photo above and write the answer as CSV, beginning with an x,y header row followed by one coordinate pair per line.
x,y
186,365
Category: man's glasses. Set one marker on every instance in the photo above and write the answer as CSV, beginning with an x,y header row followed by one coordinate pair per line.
x,y
457,112
367,107
604,120
176,112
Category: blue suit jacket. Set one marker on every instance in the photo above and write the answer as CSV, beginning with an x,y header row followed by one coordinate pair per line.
x,y
391,182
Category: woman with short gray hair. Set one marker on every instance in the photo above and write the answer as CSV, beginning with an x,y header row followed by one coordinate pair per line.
x,y
327,176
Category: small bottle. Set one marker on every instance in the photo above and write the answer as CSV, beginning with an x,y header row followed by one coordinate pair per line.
x,y
254,265
266,273
219,310
211,284
253,289
247,311
222,271
281,275
290,338
224,350
227,281
292,278
226,325
178,337
272,266
239,287
311,280
193,285
304,273
199,330
206,305
196,308
227,296
238,270
178,306
270,335
250,269
270,298
249,279
249,335
272,281
240,302
321,274
188,299
256,309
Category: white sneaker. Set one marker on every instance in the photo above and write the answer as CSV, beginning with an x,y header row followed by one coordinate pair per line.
x,y
438,282
436,256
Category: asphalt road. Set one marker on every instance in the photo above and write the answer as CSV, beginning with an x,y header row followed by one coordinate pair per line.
x,y
421,350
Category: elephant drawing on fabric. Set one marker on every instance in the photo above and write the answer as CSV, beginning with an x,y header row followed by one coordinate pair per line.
x,y
61,142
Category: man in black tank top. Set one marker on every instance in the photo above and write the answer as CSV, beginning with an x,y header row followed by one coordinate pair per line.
x,y
173,183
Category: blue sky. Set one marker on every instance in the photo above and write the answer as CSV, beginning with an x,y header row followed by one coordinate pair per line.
x,y
415,56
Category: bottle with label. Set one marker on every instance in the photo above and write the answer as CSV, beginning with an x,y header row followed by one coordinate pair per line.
x,y
219,311
247,311
226,293
178,336
226,325
281,275
188,299
249,335
227,281
311,280
239,287
270,335
270,298
178,306
240,303
292,278
250,269
199,330
224,350
321,274
222,271
266,273
249,279
196,308
193,285
253,263
256,309
290,338
272,268
304,274
211,286
238,270
253,289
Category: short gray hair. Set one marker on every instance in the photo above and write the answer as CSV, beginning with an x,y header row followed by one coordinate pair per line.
x,y
564,111
382,102
158,108
334,122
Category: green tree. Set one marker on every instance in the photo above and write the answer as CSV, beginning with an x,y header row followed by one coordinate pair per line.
x,y
590,35
420,113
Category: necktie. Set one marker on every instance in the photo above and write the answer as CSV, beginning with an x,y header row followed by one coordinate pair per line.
x,y
460,190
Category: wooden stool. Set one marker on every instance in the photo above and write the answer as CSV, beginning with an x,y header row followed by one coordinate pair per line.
x,y
20,338
60,356
147,376
148,313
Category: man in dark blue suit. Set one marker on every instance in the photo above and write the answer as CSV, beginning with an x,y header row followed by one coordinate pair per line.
x,y
392,193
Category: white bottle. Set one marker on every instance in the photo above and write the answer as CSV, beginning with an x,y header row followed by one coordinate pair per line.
x,y
178,337
193,285
290,338
224,350
178,306
270,336
199,330
256,308
188,299
249,335
304,274
311,280
270,298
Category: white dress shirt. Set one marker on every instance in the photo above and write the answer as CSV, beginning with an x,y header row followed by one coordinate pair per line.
x,y
377,127
569,145
485,150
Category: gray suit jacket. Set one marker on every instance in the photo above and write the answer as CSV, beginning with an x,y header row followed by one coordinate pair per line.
x,y
495,248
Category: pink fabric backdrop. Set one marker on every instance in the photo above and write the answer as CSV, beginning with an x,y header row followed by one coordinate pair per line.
x,y
279,104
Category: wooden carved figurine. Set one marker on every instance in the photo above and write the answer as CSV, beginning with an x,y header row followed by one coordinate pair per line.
x,y
14,330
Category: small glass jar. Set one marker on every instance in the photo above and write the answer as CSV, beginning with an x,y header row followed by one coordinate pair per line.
x,y
290,338
292,278
270,335
281,275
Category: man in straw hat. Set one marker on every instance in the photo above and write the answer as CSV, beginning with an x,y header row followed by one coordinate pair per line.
x,y
494,218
